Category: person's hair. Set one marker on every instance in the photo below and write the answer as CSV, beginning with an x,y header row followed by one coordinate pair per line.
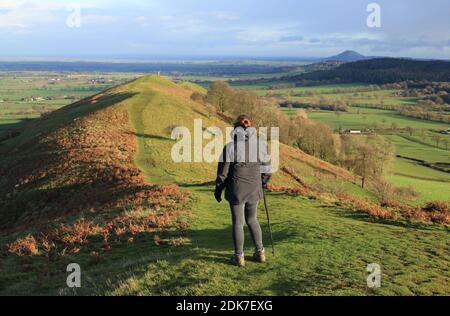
x,y
243,121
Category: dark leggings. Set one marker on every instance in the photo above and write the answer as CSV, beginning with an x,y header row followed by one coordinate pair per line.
x,y
248,213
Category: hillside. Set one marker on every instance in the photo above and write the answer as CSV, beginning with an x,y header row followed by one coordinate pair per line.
x,y
381,71
94,183
75,155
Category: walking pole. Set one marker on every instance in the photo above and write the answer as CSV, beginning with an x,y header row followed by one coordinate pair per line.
x,y
268,221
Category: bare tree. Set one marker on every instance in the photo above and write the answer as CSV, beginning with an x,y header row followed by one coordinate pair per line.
x,y
410,130
437,139
369,159
246,102
446,142
220,95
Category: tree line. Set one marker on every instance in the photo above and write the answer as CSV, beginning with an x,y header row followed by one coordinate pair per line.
x,y
369,157
381,71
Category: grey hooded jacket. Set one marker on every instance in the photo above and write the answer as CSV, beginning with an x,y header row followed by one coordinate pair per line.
x,y
244,167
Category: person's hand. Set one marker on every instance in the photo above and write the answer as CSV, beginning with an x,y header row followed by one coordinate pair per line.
x,y
218,194
265,178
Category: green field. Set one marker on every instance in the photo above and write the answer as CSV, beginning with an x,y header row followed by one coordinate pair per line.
x,y
360,118
26,95
411,149
319,251
384,97
431,184
419,144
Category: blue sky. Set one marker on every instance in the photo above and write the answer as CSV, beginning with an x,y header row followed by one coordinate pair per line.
x,y
243,28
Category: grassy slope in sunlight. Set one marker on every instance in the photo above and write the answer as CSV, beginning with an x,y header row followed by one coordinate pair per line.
x,y
321,249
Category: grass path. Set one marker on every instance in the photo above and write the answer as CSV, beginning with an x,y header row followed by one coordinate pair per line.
x,y
320,251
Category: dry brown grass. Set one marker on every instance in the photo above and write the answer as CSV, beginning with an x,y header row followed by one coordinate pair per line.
x,y
90,165
165,213
434,212
290,153
438,212
26,246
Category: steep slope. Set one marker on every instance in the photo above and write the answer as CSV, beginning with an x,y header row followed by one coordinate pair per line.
x,y
77,160
78,183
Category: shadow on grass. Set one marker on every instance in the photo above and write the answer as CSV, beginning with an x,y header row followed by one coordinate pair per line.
x,y
340,212
200,113
13,126
178,267
34,208
210,185
150,136
11,130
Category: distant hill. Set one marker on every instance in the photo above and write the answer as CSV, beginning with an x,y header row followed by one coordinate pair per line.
x,y
381,71
347,56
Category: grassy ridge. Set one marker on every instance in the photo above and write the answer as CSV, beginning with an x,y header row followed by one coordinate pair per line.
x,y
321,249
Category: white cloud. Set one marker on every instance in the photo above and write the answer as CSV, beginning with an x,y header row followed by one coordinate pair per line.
x,y
8,4
21,14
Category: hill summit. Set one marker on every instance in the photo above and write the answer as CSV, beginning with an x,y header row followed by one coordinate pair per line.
x,y
347,56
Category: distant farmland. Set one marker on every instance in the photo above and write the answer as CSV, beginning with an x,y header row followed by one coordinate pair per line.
x,y
415,139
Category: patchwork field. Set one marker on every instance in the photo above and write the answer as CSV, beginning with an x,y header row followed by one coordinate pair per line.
x,y
28,95
360,118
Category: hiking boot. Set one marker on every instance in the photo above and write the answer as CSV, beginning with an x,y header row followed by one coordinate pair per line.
x,y
238,261
260,256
